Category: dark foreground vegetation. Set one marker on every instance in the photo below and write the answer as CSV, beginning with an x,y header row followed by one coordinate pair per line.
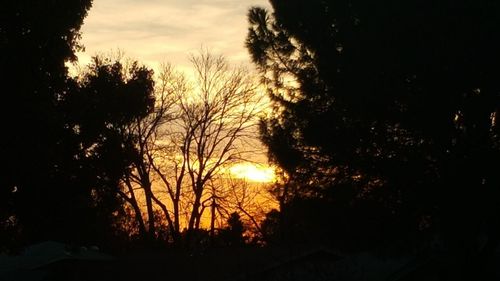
x,y
384,126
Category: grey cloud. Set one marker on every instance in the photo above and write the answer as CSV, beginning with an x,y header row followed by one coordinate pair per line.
x,y
157,30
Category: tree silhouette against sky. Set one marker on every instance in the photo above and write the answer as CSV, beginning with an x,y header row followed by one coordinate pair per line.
x,y
389,109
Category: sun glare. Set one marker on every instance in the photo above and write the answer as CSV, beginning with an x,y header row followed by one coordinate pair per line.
x,y
253,172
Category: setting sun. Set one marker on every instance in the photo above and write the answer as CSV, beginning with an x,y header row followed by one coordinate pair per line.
x,y
253,172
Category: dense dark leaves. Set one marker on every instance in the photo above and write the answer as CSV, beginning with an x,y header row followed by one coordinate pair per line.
x,y
397,100
108,98
63,147
36,39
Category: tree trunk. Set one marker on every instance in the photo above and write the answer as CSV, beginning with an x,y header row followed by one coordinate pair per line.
x,y
174,232
149,207
194,214
212,220
137,210
176,216
138,217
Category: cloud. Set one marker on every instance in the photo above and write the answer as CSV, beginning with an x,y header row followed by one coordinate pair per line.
x,y
154,31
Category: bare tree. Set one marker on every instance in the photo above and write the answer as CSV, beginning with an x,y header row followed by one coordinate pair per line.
x,y
217,119
144,134
197,130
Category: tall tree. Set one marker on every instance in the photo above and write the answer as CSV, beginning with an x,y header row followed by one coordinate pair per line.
x,y
36,40
145,134
395,101
66,148
208,126
217,125
111,96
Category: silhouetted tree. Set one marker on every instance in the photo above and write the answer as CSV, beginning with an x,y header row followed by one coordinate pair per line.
x,y
36,40
232,234
110,98
145,134
66,148
270,227
212,126
395,102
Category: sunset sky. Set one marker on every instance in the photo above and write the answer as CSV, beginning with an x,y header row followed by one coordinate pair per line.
x,y
155,31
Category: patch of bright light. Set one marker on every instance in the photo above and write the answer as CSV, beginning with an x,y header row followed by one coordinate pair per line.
x,y
253,172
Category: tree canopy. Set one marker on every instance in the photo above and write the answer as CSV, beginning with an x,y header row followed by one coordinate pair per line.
x,y
36,40
389,109
63,145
